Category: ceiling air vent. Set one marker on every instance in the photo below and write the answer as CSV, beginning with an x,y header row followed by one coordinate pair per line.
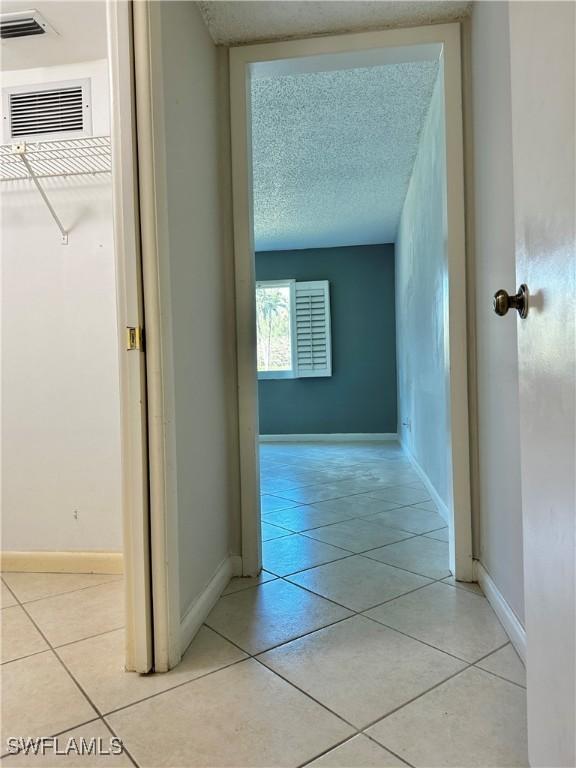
x,y
23,24
54,110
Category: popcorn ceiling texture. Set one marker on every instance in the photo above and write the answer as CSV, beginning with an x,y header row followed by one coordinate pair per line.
x,y
235,23
333,153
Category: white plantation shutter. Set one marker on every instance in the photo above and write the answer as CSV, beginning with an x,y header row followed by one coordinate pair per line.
x,y
313,350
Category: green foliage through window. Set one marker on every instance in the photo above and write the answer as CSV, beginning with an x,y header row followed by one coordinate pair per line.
x,y
273,324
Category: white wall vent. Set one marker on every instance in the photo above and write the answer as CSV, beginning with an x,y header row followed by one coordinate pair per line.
x,y
50,110
23,24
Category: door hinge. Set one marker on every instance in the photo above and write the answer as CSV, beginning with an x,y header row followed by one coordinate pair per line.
x,y
134,338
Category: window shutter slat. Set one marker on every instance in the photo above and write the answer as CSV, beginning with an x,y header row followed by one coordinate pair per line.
x,y
312,328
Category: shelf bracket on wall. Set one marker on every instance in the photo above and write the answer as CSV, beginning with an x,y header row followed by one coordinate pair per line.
x,y
20,150
61,159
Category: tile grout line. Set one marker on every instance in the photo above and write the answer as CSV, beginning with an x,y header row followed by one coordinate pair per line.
x,y
108,713
346,496
58,594
402,759
51,649
254,656
348,555
265,515
60,645
102,716
468,666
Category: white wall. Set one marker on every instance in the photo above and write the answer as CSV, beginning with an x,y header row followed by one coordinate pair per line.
x,y
60,399
421,305
498,529
201,273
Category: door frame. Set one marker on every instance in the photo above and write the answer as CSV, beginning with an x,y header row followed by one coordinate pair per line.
x,y
147,410
241,61
132,370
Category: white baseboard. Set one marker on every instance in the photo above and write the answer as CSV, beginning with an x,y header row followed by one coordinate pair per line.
x,y
345,437
442,508
62,562
508,618
201,607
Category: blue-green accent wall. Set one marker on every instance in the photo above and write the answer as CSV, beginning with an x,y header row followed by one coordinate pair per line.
x,y
360,396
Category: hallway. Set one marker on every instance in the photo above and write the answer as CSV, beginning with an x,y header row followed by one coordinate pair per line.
x,y
355,647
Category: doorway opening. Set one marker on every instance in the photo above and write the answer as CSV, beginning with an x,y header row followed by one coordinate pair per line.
x,y
347,157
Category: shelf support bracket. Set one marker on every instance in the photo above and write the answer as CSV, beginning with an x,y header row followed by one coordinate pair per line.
x,y
20,150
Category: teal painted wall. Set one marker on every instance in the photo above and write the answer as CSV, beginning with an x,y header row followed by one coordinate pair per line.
x,y
360,396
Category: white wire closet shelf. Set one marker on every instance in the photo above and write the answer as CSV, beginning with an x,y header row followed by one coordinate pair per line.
x,y
55,159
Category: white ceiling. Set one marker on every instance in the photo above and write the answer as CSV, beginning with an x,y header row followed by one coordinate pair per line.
x,y
333,153
81,28
233,23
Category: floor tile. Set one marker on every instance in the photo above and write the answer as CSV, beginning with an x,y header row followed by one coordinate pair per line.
x,y
241,716
470,586
98,665
6,597
474,719
19,635
402,494
34,586
277,483
260,618
273,503
313,493
76,615
364,483
358,583
95,730
245,582
39,698
358,535
428,557
454,620
358,505
505,663
303,518
443,534
269,532
418,484
358,752
359,669
410,519
427,506
295,553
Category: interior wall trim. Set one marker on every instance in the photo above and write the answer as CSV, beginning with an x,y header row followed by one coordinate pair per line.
x,y
346,437
199,609
505,614
442,507
62,562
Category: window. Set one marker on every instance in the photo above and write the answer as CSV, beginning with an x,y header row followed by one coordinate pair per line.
x,y
293,329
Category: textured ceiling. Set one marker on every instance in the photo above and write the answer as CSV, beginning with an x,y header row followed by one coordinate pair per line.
x,y
232,23
333,153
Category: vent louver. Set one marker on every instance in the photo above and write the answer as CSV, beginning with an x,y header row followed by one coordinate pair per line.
x,y
39,112
20,28
58,110
23,24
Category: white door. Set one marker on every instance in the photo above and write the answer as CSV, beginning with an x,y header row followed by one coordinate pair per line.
x,y
139,640
543,88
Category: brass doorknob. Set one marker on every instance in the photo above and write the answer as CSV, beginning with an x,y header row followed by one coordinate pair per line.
x,y
503,301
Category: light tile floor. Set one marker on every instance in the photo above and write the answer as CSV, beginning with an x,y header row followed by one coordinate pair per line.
x,y
354,648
